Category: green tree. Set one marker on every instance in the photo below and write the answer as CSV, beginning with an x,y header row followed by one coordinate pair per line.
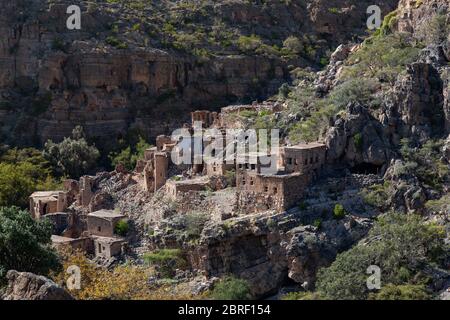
x,y
25,243
73,156
130,155
401,245
231,288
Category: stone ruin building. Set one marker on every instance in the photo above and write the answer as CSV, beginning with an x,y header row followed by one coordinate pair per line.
x,y
46,202
96,235
296,167
99,239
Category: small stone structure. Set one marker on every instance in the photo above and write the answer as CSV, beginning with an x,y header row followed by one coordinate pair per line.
x,y
63,243
45,202
304,158
108,247
103,222
85,194
155,170
174,188
208,118
99,239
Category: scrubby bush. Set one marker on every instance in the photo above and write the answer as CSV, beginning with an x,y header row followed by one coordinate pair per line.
x,y
358,91
424,162
377,195
303,295
434,30
194,223
122,227
124,282
401,292
382,58
249,44
398,242
293,45
231,288
130,154
166,261
339,211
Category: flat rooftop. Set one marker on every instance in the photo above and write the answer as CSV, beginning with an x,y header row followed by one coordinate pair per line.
x,y
45,194
108,240
107,214
60,239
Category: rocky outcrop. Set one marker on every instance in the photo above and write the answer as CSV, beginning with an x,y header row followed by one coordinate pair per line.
x,y
417,109
28,286
268,249
358,139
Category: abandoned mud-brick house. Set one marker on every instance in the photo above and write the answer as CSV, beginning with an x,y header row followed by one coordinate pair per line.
x,y
283,187
174,188
108,247
101,229
103,222
45,202
63,243
306,158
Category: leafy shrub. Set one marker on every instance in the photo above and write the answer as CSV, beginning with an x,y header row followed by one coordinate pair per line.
x,y
130,155
424,162
293,45
354,91
339,211
113,41
315,126
166,261
401,292
231,288
122,227
442,204
249,44
434,30
194,223
25,244
399,242
382,58
73,156
124,282
377,195
317,223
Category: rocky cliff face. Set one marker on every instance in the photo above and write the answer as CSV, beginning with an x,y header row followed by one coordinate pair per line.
x,y
120,71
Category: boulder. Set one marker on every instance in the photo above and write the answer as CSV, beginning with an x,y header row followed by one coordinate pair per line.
x,y
28,286
358,138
